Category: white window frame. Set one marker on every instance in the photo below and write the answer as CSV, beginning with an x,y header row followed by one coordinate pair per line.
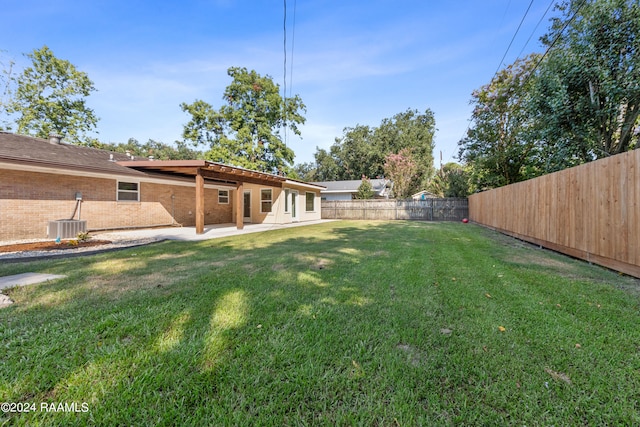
x,y
127,191
306,199
223,199
269,201
287,193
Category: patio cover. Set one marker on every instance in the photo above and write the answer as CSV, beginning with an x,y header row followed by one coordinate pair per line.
x,y
203,170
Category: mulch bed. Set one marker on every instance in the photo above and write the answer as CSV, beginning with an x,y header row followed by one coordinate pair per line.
x,y
50,246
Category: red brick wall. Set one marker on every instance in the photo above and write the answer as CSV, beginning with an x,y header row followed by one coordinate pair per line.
x,y
28,201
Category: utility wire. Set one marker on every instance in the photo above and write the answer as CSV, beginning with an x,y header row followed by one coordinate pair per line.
x,y
555,40
536,28
284,89
293,41
512,39
503,56
553,43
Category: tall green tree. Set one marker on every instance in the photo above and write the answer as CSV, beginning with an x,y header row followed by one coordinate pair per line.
x,y
587,100
500,145
327,166
156,149
451,180
305,171
365,190
356,153
362,149
413,131
248,130
50,97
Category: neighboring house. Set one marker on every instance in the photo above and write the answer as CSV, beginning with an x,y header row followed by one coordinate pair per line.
x,y
346,190
423,195
47,180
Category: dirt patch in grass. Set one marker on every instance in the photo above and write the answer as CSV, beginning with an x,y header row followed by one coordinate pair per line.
x,y
117,285
320,264
314,261
542,260
217,264
414,355
380,253
51,246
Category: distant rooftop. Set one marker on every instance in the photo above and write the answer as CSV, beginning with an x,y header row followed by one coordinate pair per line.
x,y
351,186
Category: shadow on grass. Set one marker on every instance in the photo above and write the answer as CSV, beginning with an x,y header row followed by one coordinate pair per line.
x,y
171,316
284,327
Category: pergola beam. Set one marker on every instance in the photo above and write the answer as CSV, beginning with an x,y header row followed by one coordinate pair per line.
x,y
199,202
239,206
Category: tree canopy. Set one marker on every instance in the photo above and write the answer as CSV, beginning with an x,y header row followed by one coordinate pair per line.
x,y
362,150
365,190
578,102
451,180
248,130
500,144
588,95
152,149
50,97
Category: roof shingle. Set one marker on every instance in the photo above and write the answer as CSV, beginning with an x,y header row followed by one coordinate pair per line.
x,y
40,152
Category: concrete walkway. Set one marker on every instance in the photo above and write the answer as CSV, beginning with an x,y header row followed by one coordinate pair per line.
x,y
26,279
189,233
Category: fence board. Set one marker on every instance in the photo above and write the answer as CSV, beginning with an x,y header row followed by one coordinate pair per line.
x,y
448,209
590,211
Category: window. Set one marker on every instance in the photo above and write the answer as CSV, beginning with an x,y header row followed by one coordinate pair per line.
x,y
128,191
311,198
286,200
265,200
223,197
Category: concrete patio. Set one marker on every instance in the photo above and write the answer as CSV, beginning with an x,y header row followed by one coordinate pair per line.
x,y
213,231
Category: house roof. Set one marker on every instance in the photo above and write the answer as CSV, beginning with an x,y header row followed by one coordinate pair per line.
x,y
30,151
351,186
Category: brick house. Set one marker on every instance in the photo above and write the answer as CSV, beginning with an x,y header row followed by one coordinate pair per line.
x,y
47,180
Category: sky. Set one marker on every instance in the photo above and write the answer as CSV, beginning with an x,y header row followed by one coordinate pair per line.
x,y
352,62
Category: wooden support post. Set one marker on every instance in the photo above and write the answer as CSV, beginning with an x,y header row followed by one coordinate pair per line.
x,y
239,206
199,202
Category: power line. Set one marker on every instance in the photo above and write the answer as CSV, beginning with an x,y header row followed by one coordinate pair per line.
x,y
555,40
284,89
512,39
553,43
503,56
293,41
536,28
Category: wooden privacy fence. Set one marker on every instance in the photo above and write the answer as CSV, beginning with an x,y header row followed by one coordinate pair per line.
x,y
590,211
427,210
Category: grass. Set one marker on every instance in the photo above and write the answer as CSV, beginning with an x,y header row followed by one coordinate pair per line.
x,y
344,323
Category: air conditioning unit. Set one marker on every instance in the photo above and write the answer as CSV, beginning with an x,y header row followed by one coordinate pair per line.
x,y
66,228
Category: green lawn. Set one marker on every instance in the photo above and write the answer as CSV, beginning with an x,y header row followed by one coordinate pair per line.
x,y
343,323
